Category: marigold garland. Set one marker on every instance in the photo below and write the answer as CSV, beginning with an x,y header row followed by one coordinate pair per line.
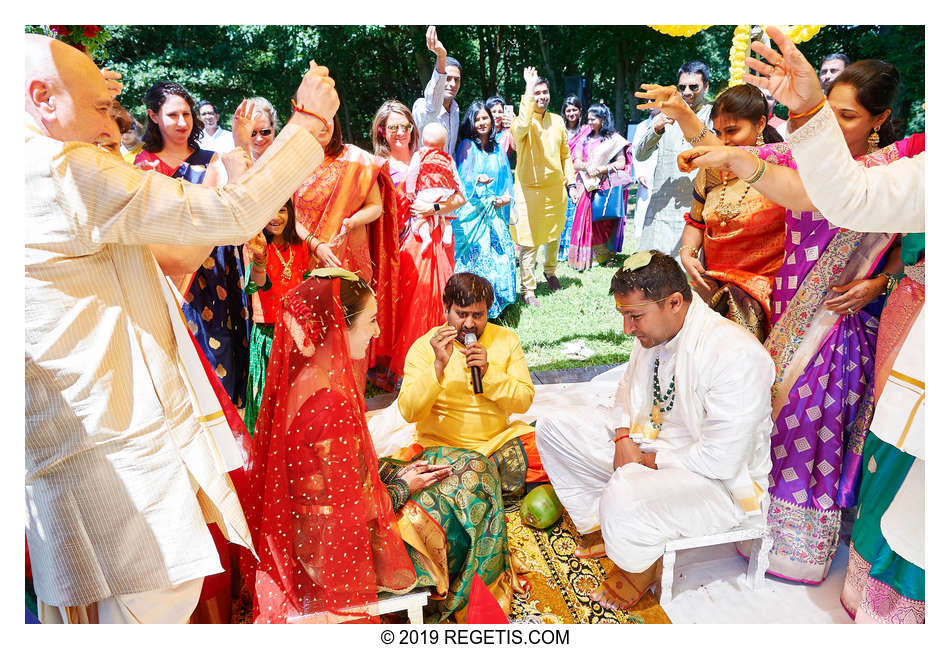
x,y
742,42
680,30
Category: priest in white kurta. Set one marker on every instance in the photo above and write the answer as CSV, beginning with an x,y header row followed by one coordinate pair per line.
x,y
684,451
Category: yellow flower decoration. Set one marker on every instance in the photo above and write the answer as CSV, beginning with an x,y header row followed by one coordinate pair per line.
x,y
680,30
742,41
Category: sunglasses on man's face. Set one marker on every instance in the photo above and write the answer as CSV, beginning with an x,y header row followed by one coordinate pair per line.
x,y
264,132
694,87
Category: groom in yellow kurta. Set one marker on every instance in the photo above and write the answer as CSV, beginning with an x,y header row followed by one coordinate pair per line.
x,y
544,169
437,393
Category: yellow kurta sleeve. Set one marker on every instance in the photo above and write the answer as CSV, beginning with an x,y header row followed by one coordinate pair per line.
x,y
509,386
420,387
524,121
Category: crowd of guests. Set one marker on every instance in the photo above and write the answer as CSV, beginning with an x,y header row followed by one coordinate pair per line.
x,y
206,390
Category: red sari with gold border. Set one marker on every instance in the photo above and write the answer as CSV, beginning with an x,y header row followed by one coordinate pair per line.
x,y
336,189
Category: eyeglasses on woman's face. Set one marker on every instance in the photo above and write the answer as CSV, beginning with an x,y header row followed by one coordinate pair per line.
x,y
264,132
399,128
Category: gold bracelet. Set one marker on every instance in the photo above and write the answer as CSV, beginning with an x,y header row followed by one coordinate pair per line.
x,y
693,141
759,171
693,252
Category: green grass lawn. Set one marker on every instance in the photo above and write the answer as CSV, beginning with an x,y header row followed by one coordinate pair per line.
x,y
581,310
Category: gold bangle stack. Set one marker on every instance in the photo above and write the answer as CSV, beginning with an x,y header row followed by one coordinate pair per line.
x,y
759,171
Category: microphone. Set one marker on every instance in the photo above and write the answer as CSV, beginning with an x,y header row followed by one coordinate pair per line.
x,y
470,340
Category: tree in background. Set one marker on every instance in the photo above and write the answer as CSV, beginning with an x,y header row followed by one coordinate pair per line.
x,y
372,63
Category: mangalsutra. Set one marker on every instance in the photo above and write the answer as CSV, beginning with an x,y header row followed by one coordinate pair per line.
x,y
730,210
656,414
286,264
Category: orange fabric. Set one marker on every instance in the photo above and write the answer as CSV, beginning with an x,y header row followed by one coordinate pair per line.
x,y
747,250
536,472
338,188
902,309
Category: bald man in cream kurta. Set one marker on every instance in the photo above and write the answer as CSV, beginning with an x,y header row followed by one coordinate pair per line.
x,y
544,168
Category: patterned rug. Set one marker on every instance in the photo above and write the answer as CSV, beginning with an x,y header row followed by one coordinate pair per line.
x,y
560,583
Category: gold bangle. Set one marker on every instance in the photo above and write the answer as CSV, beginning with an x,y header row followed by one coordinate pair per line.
x,y
759,171
693,141
693,252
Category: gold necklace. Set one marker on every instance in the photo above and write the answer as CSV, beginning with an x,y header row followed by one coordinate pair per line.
x,y
286,264
730,210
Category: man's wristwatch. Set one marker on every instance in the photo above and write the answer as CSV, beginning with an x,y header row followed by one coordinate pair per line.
x,y
436,207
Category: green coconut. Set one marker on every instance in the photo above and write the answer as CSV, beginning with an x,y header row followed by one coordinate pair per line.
x,y
541,508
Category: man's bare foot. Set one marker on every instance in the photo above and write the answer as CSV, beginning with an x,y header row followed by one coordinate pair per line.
x,y
622,590
591,547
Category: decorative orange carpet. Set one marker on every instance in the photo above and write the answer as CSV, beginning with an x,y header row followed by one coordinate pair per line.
x,y
561,584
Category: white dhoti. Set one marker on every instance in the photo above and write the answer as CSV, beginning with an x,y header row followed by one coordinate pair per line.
x,y
172,605
637,509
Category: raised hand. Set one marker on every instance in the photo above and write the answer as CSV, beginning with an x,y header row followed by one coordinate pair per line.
x,y
236,162
442,345
258,246
788,76
243,124
112,82
530,79
666,99
316,94
433,44
695,269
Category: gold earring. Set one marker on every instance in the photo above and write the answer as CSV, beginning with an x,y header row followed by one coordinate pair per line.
x,y
759,140
873,139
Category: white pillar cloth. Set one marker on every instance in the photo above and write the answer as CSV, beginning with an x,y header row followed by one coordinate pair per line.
x,y
637,509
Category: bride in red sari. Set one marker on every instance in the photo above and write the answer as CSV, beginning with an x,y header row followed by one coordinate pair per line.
x,y
349,204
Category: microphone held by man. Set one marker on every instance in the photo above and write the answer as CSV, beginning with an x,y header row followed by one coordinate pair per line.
x,y
471,339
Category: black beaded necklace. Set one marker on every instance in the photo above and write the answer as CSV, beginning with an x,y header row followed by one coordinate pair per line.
x,y
656,414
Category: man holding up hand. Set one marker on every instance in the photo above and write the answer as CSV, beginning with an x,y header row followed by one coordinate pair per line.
x,y
438,102
122,477
438,394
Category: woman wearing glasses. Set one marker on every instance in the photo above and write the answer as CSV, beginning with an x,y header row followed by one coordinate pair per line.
x,y
422,273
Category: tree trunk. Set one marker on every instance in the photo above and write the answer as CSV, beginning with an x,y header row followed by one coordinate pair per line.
x,y
347,134
620,84
638,58
483,45
493,61
423,64
549,71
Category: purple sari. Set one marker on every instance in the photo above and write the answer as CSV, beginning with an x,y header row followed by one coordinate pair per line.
x,y
822,399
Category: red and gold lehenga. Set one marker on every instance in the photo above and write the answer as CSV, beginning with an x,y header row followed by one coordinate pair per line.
x,y
321,519
336,189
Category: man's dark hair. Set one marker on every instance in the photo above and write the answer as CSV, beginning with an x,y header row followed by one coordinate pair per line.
x,y
836,55
659,279
205,102
694,67
465,289
544,81
453,62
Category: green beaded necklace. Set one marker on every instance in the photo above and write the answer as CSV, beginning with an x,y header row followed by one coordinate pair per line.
x,y
656,414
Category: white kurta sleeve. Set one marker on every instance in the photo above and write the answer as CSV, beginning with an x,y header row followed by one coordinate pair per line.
x,y
886,198
737,399
619,416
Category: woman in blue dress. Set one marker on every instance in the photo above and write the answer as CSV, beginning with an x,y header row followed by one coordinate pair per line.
x,y
215,305
483,242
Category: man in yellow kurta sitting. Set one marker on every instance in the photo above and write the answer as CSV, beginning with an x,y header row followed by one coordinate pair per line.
x,y
438,394
544,170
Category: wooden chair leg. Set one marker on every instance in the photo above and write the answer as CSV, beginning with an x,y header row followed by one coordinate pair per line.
x,y
665,585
